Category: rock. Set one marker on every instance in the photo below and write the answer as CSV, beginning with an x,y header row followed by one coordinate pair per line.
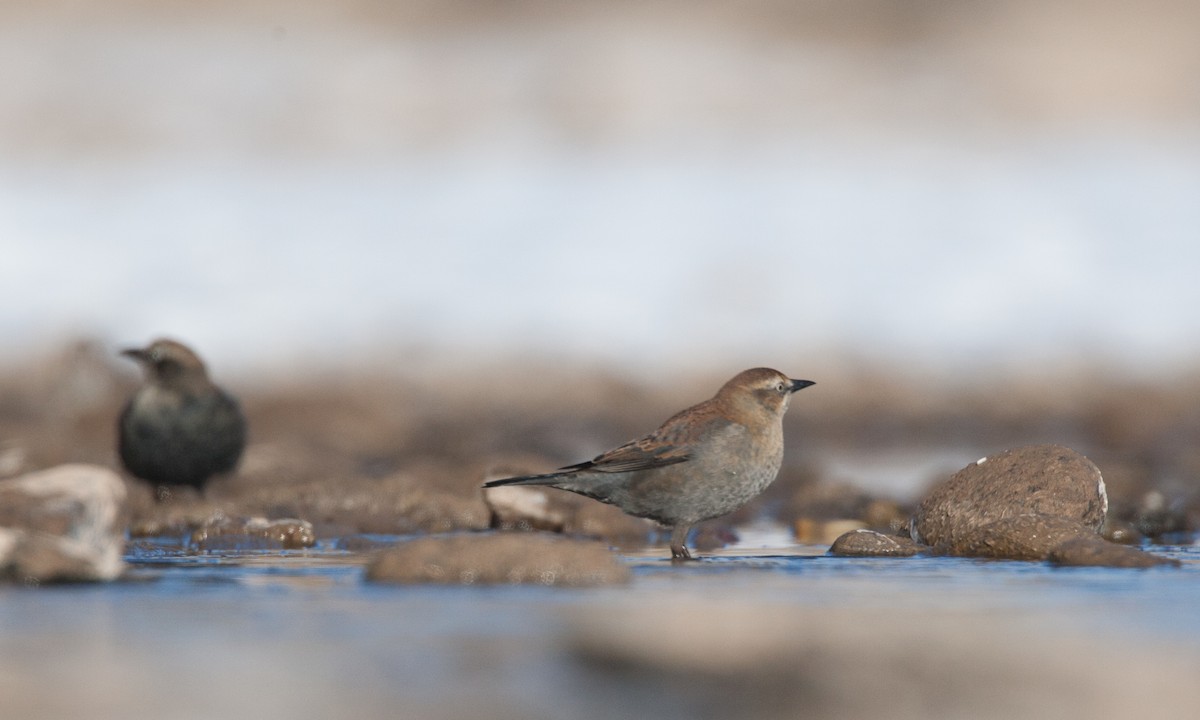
x,y
1024,504
62,525
523,508
498,558
1024,537
1048,480
868,543
256,533
1086,551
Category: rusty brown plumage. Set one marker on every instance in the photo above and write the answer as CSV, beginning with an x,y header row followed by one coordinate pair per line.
x,y
703,462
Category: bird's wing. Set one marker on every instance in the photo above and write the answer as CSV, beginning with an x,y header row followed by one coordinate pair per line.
x,y
637,455
666,446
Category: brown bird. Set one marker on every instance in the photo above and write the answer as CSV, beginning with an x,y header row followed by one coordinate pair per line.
x,y
179,428
702,463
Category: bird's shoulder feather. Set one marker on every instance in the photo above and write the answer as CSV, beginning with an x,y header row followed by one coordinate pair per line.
x,y
671,443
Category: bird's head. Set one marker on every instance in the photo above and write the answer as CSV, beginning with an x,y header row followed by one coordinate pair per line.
x,y
168,361
761,389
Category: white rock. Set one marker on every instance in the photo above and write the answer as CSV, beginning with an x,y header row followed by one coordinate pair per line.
x,y
62,524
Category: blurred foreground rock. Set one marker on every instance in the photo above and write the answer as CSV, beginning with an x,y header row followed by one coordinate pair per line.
x,y
719,659
62,525
498,559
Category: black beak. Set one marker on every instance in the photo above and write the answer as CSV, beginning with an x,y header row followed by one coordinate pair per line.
x,y
801,384
137,354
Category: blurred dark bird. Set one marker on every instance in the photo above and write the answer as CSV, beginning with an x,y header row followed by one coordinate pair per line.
x,y
704,462
179,428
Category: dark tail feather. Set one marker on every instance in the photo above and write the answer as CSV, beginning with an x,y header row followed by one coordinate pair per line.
x,y
547,479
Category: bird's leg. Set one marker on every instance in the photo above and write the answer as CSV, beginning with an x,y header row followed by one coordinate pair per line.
x,y
679,551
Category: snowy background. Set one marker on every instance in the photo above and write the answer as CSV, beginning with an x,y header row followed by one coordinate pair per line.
x,y
964,186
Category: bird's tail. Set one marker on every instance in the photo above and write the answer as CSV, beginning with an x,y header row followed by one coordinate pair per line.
x,y
545,479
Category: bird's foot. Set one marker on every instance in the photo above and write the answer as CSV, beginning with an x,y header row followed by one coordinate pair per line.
x,y
680,554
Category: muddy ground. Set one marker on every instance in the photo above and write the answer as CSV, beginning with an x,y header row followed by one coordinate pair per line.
x,y
378,448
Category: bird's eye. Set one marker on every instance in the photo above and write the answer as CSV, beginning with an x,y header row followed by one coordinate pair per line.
x,y
780,387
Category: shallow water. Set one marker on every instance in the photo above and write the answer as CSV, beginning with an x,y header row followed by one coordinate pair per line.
x,y
300,634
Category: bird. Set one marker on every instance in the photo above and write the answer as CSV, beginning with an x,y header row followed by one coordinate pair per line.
x,y
178,428
703,462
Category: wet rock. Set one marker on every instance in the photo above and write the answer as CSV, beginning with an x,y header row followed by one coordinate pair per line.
x,y
498,559
1088,551
1024,537
1047,480
62,525
256,533
1023,504
868,543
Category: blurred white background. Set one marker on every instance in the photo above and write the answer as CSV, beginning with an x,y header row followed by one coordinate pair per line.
x,y
951,185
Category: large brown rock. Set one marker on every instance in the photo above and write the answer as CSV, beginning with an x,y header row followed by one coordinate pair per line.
x,y
505,558
1023,537
1032,503
62,525
1046,480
